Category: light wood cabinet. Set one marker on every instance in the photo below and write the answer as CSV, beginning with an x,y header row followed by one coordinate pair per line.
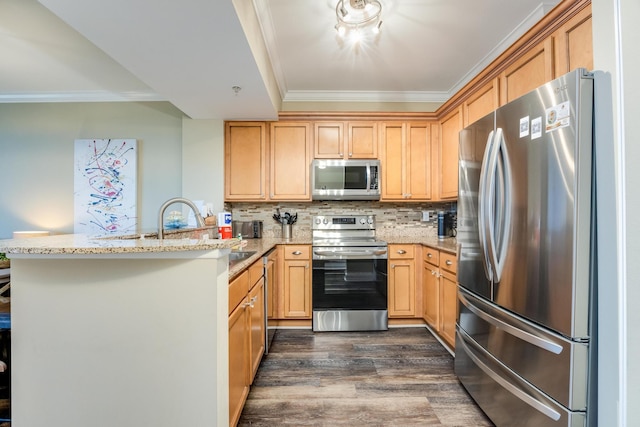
x,y
450,127
440,293
245,161
449,298
532,70
573,43
239,346
246,335
290,157
405,157
346,140
402,281
296,283
431,288
482,102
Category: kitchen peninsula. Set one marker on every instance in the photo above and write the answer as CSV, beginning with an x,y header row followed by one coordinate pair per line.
x,y
125,332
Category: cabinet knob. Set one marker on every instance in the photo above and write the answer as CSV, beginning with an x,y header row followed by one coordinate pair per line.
x,y
296,253
393,266
402,251
350,154
341,154
429,255
448,262
254,299
433,273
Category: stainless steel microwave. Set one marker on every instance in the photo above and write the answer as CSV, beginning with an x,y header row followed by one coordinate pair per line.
x,y
345,180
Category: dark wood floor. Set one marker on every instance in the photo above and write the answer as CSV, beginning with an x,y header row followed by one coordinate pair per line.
x,y
401,377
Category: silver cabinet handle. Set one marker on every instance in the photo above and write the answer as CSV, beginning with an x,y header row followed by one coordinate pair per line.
x,y
402,251
340,154
296,253
350,154
429,255
254,299
448,262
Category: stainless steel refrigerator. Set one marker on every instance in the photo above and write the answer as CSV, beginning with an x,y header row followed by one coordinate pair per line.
x,y
525,336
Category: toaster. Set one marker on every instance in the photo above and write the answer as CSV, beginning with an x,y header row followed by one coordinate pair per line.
x,y
247,229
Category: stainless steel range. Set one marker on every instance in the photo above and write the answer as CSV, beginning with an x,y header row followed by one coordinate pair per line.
x,y
349,274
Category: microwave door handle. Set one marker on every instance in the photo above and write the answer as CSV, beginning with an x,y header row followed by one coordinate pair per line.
x,y
368,177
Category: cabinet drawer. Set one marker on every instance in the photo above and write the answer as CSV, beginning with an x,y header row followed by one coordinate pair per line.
x,y
448,262
430,255
238,290
297,252
401,251
256,271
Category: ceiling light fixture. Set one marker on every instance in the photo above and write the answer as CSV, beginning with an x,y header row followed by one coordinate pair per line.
x,y
356,14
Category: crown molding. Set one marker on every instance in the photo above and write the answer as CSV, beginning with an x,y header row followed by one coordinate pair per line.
x,y
364,96
84,96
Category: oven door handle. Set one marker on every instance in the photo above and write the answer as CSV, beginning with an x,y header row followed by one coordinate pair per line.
x,y
377,252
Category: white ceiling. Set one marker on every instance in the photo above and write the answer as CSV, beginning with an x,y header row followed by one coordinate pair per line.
x,y
192,52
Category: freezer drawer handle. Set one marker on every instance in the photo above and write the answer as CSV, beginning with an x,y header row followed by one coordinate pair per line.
x,y
535,404
525,336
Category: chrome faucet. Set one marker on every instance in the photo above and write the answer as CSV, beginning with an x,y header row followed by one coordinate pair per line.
x,y
165,205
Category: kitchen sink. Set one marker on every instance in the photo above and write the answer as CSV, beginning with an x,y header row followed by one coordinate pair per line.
x,y
238,256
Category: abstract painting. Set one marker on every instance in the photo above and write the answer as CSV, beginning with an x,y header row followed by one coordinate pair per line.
x,y
105,186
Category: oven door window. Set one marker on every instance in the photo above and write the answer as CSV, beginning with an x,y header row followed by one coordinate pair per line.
x,y
359,284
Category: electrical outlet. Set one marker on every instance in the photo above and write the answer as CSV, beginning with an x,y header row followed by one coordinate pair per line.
x,y
427,216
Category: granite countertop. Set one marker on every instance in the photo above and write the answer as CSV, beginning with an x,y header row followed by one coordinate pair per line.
x,y
80,244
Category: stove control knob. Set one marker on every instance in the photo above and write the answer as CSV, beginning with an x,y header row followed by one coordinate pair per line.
x,y
363,221
370,220
325,221
318,221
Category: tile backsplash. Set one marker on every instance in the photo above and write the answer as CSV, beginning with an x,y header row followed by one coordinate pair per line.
x,y
400,217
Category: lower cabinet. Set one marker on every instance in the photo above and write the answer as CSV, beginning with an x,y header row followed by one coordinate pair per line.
x,y
402,281
246,335
296,282
439,293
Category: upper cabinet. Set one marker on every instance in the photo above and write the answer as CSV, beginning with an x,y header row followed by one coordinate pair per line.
x,y
267,161
530,71
574,43
405,157
482,102
450,127
290,157
345,140
245,161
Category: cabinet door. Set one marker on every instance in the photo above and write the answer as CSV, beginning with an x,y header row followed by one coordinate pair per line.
x,y
482,102
574,43
272,284
431,295
418,161
257,328
449,307
362,140
402,288
290,161
297,289
450,128
534,69
238,361
245,155
329,142
392,183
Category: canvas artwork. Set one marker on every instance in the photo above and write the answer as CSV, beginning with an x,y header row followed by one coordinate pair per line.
x,y
105,186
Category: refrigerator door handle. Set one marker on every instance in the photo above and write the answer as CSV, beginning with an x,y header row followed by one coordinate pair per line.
x,y
483,206
503,217
525,336
534,403
492,205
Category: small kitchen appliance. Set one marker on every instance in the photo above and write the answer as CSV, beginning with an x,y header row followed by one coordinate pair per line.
x,y
349,280
247,229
